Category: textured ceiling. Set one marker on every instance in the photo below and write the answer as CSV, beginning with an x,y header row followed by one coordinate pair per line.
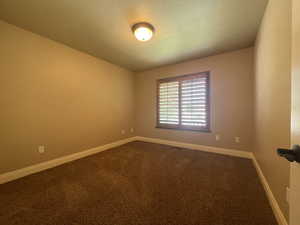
x,y
185,29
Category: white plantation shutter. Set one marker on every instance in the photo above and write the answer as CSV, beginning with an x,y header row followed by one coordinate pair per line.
x,y
183,102
169,103
193,102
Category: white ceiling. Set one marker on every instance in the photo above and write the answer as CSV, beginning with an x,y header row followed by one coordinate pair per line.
x,y
185,29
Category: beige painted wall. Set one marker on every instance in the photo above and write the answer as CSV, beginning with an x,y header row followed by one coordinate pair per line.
x,y
231,100
55,96
272,96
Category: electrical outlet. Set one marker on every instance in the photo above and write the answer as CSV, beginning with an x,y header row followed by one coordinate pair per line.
x,y
41,149
237,139
218,137
122,131
131,130
288,194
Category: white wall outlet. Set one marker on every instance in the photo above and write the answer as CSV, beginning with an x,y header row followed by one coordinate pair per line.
x,y
131,130
288,194
218,137
237,139
122,131
41,149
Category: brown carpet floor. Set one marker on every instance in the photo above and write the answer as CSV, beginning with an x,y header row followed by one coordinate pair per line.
x,y
140,183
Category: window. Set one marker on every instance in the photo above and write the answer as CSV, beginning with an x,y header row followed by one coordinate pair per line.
x,y
183,102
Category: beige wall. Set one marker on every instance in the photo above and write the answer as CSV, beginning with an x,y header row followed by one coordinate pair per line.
x,y
272,96
231,100
55,96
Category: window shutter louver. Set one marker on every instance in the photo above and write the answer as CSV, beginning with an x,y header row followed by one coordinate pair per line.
x,y
169,103
193,102
183,102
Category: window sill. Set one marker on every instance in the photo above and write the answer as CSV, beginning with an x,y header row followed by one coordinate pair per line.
x,y
185,129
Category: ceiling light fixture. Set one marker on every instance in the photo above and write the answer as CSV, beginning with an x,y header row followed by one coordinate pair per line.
x,y
143,31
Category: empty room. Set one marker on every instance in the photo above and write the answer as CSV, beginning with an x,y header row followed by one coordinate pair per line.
x,y
150,112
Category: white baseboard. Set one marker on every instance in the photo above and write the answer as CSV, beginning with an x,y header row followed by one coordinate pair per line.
x,y
249,155
204,148
13,175
6,177
274,204
16,174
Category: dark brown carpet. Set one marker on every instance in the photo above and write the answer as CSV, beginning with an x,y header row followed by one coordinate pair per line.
x,y
140,183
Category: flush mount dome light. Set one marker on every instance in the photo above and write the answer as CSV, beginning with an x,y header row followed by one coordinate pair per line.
x,y
143,31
